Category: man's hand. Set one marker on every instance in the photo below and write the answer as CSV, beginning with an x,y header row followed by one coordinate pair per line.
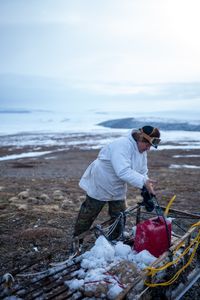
x,y
147,199
149,184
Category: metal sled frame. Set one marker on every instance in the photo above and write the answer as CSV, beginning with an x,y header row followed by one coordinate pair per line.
x,y
49,283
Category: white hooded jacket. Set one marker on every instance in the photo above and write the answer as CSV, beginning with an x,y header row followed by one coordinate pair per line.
x,y
117,164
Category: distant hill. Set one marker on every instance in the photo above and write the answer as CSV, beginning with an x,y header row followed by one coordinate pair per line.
x,y
15,111
127,123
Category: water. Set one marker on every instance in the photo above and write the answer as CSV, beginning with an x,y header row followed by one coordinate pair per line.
x,y
14,122
37,128
44,121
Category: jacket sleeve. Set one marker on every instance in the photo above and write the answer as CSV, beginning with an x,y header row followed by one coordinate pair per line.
x,y
122,165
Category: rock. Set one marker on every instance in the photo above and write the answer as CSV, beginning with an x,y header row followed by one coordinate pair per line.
x,y
66,203
45,198
81,198
23,195
33,200
22,207
51,222
13,199
57,195
55,208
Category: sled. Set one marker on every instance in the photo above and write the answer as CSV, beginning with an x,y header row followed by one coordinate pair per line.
x,y
171,275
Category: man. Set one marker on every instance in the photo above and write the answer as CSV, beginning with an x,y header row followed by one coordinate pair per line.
x,y
105,180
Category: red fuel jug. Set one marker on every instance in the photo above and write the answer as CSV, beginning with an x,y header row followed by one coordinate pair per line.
x,y
153,236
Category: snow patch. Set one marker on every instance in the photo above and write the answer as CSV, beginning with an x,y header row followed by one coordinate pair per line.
x,y
97,262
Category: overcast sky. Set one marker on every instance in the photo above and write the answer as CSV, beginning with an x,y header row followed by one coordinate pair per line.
x,y
104,47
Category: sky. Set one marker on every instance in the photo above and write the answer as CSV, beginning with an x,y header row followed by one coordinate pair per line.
x,y
61,52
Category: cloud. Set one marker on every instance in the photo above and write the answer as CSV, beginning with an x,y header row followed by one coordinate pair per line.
x,y
142,42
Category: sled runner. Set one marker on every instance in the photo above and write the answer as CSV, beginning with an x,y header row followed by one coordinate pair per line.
x,y
174,271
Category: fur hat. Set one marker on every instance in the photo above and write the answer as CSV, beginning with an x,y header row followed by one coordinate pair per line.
x,y
151,131
147,134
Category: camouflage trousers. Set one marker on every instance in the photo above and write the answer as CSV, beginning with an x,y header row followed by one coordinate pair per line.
x,y
89,211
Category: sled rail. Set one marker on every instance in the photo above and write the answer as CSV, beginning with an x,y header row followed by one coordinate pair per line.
x,y
139,290
49,283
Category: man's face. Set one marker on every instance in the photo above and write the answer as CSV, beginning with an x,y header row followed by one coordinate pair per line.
x,y
143,146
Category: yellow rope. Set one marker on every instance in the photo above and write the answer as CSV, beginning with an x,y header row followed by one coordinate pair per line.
x,y
152,271
196,224
169,205
179,246
174,278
